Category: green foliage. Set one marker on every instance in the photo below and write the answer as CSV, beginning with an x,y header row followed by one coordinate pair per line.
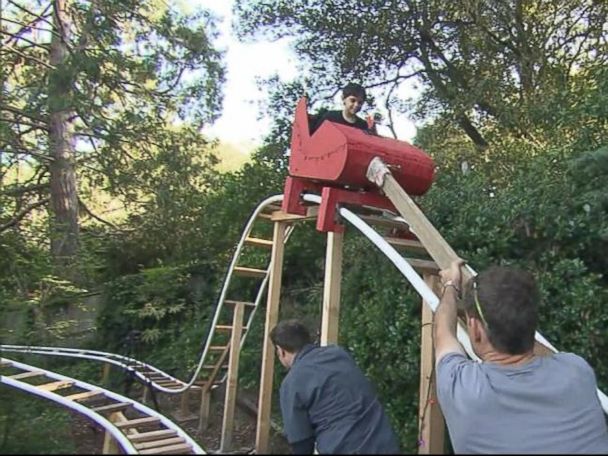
x,y
28,425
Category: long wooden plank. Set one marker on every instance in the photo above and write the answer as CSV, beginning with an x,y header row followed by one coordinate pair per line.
x,y
332,288
262,439
232,379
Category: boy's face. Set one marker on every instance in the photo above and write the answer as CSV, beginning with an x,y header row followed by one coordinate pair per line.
x,y
352,104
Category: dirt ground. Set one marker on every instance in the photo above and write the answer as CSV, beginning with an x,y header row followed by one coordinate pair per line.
x,y
89,438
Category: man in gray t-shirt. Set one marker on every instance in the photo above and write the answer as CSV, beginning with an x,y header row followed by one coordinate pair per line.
x,y
513,401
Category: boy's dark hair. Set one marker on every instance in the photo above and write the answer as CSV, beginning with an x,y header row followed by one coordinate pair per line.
x,y
355,89
290,335
508,299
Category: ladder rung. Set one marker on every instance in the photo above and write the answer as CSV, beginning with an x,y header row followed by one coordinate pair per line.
x,y
27,374
228,328
425,265
153,375
409,243
149,420
117,407
168,383
152,435
159,443
171,449
383,221
213,366
250,272
84,395
54,386
259,242
218,347
234,303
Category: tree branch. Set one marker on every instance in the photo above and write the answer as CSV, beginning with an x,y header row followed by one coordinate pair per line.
x,y
96,217
21,215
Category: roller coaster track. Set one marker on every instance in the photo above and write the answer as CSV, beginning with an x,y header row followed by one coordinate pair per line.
x,y
216,349
136,428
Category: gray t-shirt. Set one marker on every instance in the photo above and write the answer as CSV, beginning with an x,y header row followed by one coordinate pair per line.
x,y
326,396
548,405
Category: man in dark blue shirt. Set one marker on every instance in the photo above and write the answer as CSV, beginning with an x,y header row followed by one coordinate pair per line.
x,y
326,399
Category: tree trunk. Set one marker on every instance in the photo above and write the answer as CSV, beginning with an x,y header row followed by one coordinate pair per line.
x,y
64,197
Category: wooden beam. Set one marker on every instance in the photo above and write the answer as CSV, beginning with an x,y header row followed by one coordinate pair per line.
x,y
431,424
232,379
331,290
203,422
272,314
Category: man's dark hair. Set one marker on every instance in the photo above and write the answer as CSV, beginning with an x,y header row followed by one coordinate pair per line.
x,y
508,299
355,89
290,335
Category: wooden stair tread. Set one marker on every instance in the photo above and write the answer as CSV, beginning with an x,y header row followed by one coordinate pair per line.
x,y
427,265
409,243
54,386
258,242
84,395
233,303
171,449
227,328
152,435
249,272
159,443
26,374
117,407
382,221
138,422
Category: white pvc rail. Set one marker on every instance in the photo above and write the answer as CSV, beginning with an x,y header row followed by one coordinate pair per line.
x,y
99,419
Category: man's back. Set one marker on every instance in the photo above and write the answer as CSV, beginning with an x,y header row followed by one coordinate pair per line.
x,y
326,388
548,405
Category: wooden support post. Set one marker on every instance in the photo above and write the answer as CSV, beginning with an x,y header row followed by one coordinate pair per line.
x,y
262,438
431,425
110,445
331,291
203,421
184,407
105,373
145,393
232,380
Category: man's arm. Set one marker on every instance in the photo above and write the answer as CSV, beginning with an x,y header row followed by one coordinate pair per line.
x,y
444,334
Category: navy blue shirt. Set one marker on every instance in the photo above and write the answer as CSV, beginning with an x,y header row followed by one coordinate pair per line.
x,y
326,396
